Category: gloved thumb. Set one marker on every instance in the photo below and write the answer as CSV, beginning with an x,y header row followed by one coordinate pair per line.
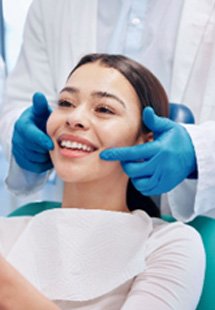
x,y
40,107
155,123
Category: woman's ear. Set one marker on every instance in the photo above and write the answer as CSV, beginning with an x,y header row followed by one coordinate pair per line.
x,y
145,137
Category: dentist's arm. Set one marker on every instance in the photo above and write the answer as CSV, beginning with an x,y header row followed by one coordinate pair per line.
x,y
157,167
32,72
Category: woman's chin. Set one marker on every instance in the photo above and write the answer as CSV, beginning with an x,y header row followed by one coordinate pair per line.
x,y
87,171
74,175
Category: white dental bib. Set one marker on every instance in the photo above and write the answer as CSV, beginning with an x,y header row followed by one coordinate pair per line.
x,y
78,255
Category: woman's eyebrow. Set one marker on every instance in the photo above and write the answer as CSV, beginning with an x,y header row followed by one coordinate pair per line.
x,y
70,89
101,94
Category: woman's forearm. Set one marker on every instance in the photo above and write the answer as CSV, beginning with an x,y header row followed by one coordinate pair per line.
x,y
16,293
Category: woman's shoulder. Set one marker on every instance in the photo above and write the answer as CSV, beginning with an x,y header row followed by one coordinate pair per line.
x,y
171,234
175,237
174,266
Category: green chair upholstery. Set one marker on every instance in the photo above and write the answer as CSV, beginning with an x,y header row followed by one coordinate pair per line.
x,y
205,226
34,208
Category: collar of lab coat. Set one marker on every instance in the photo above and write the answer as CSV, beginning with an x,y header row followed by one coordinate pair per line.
x,y
77,255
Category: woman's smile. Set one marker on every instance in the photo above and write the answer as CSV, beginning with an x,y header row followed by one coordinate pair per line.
x,y
75,146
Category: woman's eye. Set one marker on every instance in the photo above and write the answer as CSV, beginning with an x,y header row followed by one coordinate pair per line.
x,y
104,110
65,103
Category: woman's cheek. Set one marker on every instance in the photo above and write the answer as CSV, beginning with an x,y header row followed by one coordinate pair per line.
x,y
51,123
113,133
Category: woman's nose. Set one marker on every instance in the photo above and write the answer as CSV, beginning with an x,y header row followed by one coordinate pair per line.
x,y
78,119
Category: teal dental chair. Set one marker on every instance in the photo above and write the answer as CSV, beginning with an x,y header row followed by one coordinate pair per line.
x,y
205,226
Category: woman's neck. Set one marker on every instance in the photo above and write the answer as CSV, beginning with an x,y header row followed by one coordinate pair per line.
x,y
103,194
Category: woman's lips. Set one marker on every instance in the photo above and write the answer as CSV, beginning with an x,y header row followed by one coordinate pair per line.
x,y
75,146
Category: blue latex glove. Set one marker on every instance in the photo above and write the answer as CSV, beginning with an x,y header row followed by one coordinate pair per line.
x,y
157,167
30,143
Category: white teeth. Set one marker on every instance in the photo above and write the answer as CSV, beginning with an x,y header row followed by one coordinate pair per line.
x,y
75,145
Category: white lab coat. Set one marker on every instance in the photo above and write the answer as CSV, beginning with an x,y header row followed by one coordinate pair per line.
x,y
192,79
193,84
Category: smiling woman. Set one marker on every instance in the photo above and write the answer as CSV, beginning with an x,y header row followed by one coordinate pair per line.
x,y
93,252
100,107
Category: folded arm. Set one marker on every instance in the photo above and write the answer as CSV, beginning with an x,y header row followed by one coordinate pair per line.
x,y
17,293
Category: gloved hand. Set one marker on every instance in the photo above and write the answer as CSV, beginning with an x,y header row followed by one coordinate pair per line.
x,y
30,143
157,167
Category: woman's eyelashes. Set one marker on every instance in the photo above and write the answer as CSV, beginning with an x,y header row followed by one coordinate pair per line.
x,y
104,109
65,103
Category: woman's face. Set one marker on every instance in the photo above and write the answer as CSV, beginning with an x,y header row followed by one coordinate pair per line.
x,y
98,109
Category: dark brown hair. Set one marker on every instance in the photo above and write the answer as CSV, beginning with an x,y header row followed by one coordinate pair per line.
x,y
150,93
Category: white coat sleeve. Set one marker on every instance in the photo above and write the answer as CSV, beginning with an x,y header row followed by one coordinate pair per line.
x,y
196,197
32,73
174,274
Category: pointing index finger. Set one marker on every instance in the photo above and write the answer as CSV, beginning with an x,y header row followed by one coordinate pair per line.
x,y
131,153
